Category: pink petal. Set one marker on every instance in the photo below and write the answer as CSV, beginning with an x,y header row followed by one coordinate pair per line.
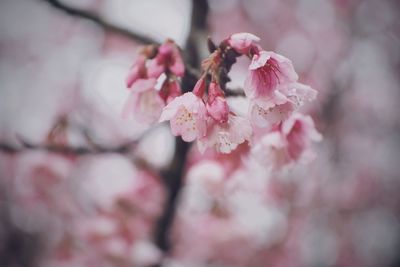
x,y
128,108
184,124
200,87
266,117
148,106
142,85
171,109
260,60
226,137
240,129
155,69
301,93
178,67
136,71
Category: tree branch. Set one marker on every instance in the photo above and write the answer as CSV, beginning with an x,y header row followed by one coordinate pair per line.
x,y
75,12
234,93
173,176
67,150
91,148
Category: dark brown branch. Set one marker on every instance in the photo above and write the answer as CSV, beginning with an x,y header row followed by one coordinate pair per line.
x,y
234,93
91,148
99,21
198,24
67,150
174,175
173,178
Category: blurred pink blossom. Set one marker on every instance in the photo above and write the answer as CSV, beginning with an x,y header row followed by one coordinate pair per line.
x,y
144,102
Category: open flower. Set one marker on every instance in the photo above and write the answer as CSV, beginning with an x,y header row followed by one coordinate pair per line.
x,y
299,131
225,137
187,114
289,143
144,102
263,117
243,42
283,101
268,70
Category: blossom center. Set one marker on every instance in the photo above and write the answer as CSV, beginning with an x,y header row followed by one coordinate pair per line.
x,y
269,73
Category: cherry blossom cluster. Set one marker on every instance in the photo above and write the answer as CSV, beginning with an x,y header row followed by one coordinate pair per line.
x,y
272,126
154,81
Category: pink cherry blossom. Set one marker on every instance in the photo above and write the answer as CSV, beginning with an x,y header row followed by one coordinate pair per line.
x,y
225,137
299,93
144,102
268,70
243,42
270,151
267,117
137,71
187,114
280,105
289,143
299,131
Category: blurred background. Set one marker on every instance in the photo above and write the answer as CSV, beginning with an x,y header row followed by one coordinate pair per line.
x,y
62,71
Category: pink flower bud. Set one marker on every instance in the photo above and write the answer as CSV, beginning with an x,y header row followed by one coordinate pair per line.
x,y
243,42
200,87
170,90
177,66
155,69
137,71
168,58
218,109
214,90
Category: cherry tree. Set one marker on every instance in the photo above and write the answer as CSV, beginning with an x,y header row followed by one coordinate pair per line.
x,y
164,149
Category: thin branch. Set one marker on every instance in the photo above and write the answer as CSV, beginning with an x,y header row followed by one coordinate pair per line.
x,y
91,148
99,21
67,150
173,178
234,93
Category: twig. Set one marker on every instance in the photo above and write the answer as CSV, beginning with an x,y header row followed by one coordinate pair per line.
x,y
92,148
234,93
101,22
67,150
